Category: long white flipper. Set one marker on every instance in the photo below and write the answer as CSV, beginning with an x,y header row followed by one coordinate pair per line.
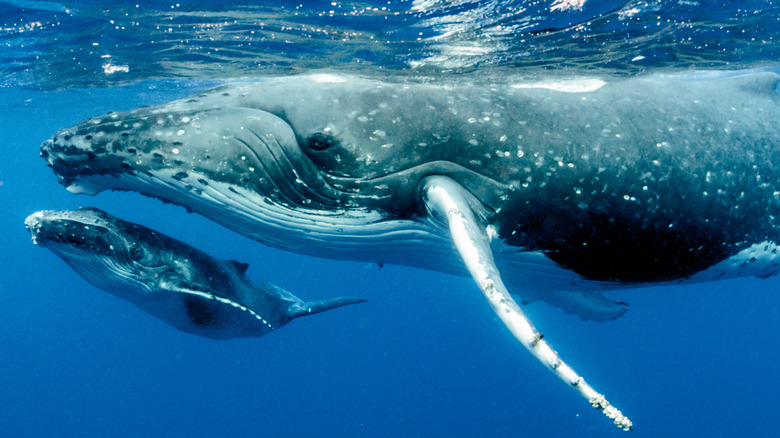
x,y
448,202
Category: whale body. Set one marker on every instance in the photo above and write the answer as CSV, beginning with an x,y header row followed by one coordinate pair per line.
x,y
559,189
183,286
637,181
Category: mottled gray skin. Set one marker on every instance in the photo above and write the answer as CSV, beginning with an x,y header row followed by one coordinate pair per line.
x,y
642,180
171,280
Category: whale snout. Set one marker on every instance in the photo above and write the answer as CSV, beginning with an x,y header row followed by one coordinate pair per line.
x,y
45,228
33,224
66,226
78,154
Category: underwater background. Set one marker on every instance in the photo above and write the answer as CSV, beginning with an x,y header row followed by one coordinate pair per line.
x,y
425,356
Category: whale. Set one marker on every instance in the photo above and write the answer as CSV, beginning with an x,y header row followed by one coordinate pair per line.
x,y
555,191
178,284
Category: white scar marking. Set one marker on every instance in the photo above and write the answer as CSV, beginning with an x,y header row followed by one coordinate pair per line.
x,y
232,303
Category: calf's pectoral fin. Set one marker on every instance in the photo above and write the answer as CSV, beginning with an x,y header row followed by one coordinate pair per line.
x,y
449,203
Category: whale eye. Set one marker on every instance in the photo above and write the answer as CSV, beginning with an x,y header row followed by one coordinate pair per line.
x,y
320,141
136,253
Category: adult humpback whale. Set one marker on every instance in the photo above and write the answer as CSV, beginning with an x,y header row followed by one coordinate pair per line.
x,y
171,280
562,188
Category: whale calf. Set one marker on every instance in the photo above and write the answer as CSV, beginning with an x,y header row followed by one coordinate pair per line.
x,y
558,189
169,279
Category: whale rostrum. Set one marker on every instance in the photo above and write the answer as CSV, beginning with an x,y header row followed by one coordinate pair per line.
x,y
559,190
169,279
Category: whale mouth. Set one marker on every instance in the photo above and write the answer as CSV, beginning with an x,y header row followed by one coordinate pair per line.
x,y
87,242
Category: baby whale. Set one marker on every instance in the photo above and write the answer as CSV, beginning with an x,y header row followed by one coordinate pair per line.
x,y
169,279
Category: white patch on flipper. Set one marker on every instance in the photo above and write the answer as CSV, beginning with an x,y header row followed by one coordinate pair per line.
x,y
448,202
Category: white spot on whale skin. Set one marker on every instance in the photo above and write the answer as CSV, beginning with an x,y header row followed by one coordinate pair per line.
x,y
328,79
567,86
82,189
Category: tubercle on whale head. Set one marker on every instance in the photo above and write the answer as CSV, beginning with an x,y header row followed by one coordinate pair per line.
x,y
90,219
75,160
76,228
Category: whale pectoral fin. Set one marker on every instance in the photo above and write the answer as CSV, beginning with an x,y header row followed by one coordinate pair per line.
x,y
588,305
448,202
545,280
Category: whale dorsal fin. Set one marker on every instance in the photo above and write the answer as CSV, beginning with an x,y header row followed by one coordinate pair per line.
x,y
241,267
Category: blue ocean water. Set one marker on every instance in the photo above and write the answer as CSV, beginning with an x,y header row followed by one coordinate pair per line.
x,y
426,356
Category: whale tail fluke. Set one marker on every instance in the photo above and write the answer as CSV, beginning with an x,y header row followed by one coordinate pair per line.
x,y
312,307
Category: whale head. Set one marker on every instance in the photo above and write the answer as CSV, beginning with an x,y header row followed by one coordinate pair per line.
x,y
112,254
258,158
183,145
